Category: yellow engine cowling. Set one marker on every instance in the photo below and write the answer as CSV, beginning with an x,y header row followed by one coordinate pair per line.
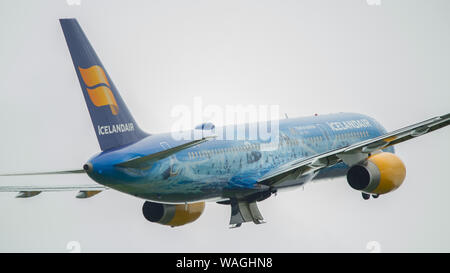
x,y
172,215
380,173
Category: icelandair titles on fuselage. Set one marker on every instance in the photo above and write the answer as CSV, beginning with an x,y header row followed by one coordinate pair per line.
x,y
115,128
349,124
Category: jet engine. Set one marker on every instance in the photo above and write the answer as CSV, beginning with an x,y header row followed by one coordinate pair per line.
x,y
380,173
172,215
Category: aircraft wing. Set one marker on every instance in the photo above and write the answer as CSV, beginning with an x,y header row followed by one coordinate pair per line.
x,y
44,173
85,191
352,154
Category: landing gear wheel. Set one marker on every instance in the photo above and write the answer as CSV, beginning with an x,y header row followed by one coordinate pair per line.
x,y
375,195
365,196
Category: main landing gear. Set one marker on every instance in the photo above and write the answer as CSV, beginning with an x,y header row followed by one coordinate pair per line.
x,y
244,207
244,211
366,196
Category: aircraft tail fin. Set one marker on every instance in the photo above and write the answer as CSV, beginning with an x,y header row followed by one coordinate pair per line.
x,y
113,123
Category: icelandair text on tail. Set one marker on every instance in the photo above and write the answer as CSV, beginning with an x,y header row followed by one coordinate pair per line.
x,y
115,128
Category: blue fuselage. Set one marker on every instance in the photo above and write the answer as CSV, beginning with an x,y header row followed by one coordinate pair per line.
x,y
206,171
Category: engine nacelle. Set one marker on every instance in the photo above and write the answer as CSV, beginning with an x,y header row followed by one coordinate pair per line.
x,y
172,215
380,173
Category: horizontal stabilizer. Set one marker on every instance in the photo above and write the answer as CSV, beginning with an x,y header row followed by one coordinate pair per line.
x,y
143,162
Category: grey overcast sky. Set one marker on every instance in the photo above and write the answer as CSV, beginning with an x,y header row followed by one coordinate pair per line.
x,y
390,61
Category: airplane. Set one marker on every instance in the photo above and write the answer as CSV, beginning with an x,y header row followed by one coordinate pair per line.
x,y
175,177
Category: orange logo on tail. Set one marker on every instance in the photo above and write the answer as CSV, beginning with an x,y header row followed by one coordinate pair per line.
x,y
101,95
